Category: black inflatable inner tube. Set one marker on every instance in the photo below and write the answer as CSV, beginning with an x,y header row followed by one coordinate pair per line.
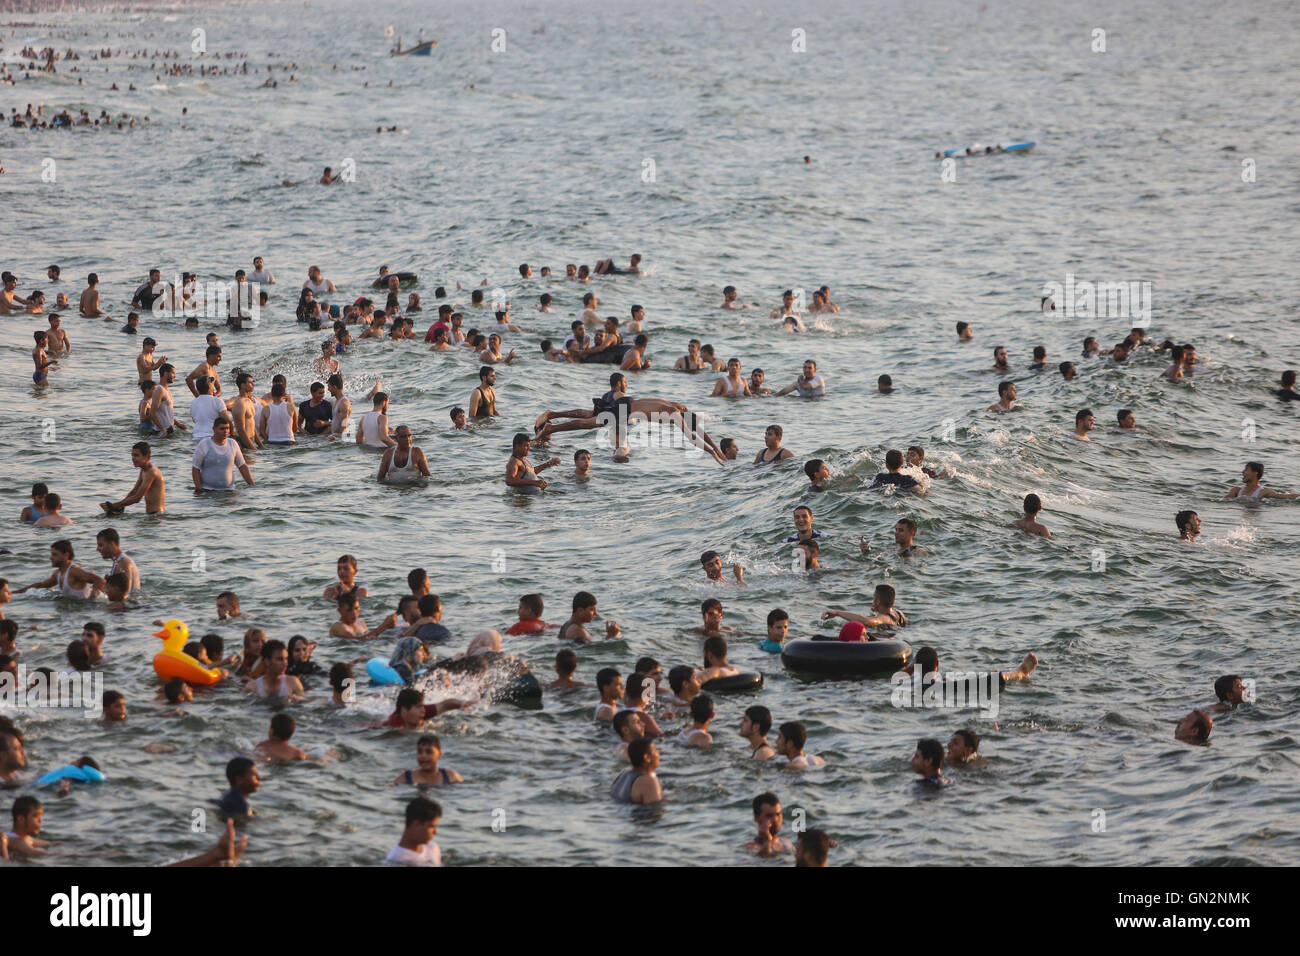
x,y
735,682
610,356
846,658
402,279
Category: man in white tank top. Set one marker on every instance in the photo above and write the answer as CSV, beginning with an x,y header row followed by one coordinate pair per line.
x,y
372,430
162,410
70,580
277,420
413,463
1251,476
318,283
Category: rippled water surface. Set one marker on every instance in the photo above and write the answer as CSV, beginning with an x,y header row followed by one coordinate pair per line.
x,y
537,153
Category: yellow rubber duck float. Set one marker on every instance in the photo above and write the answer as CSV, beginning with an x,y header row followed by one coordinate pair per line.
x,y
174,662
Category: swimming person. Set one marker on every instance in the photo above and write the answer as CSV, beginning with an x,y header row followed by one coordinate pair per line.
x,y
638,784
1250,488
483,400
772,450
768,818
520,472
404,463
372,430
216,458
809,384
1189,525
1030,523
68,578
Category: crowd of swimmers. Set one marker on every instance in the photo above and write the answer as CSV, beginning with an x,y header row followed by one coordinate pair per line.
x,y
635,705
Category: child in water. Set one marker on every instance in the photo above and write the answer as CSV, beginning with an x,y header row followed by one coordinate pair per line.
x,y
428,751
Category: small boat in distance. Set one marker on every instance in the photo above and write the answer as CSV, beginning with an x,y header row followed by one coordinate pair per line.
x,y
424,48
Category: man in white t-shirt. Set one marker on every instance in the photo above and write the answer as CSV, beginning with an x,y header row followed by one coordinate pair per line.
x,y
216,458
416,847
260,274
205,408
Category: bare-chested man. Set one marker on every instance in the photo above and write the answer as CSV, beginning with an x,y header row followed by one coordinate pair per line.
x,y
1030,523
145,363
149,484
208,367
243,411
9,298
520,472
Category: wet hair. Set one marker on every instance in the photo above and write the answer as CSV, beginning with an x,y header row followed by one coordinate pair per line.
x,y
533,602
24,806
768,799
1004,387
709,604
816,846
1065,367
519,439
793,732
340,673
893,459
615,378
408,697
63,545
111,697
885,382
927,658
969,738
775,429
430,604
79,655
1082,414
215,646
1254,466
812,467
776,614
1122,414
580,452
715,646
634,686
727,443
640,308
456,411
422,810
1288,378
1177,353
622,719
885,594
760,717
583,599
283,726
52,503
908,523
702,708
606,677
172,690
931,752
638,750
476,297
40,488
1033,504
1203,726
238,767
1183,519
1040,353
270,647
1223,686
646,665
678,675
566,662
